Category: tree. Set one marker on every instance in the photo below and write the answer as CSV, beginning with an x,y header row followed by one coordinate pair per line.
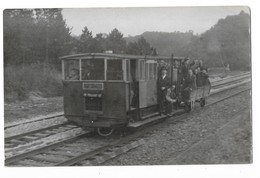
x,y
53,33
228,42
86,41
116,42
144,46
141,47
35,35
133,48
17,38
100,42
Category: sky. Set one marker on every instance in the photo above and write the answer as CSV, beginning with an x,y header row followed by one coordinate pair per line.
x,y
135,21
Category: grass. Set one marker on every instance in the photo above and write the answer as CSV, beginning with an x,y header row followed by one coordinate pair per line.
x,y
21,81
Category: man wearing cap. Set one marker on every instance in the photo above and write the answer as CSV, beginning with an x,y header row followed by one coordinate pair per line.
x,y
163,84
170,99
185,68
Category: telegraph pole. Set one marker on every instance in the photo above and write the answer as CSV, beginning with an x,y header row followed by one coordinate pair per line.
x,y
221,58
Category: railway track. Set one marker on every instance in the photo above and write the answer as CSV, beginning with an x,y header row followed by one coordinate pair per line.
x,y
24,138
41,118
230,80
77,151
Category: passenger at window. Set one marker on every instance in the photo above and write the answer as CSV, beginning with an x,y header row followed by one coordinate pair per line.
x,y
74,74
86,74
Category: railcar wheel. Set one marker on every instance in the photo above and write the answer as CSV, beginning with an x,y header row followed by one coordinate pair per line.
x,y
105,131
202,102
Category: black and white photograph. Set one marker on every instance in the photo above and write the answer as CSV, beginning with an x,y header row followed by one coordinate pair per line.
x,y
127,86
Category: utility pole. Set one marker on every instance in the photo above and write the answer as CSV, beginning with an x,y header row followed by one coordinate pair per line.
x,y
221,58
46,48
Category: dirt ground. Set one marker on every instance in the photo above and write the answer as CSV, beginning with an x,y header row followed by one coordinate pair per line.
x,y
231,144
34,106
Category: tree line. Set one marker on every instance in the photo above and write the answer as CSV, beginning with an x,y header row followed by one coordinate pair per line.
x,y
114,41
31,36
227,42
42,35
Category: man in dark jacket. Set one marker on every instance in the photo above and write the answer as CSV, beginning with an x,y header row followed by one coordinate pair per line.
x,y
163,84
185,68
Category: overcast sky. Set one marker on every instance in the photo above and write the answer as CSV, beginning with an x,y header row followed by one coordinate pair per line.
x,y
135,21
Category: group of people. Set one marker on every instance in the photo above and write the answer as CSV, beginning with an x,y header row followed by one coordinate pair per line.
x,y
191,76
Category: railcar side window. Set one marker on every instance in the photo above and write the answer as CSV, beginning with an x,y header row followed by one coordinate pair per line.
x,y
114,69
71,70
92,69
142,70
127,70
155,71
146,71
151,72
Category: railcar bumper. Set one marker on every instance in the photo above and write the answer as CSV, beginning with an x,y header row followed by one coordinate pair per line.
x,y
97,121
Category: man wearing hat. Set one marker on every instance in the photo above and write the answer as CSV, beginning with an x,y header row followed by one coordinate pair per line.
x,y
185,68
170,99
163,84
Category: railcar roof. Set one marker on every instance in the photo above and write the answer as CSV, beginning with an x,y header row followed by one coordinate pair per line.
x,y
122,56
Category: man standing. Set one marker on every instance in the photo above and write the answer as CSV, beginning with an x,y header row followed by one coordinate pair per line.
x,y
185,68
163,84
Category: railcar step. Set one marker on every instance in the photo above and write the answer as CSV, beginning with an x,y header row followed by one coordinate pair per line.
x,y
149,115
152,119
147,121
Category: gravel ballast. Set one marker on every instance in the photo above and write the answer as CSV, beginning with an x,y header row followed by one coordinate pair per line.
x,y
168,140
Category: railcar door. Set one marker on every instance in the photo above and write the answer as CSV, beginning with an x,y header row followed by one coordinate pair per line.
x,y
115,90
151,82
144,74
72,90
142,84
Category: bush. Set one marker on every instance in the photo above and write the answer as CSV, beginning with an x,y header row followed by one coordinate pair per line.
x,y
19,81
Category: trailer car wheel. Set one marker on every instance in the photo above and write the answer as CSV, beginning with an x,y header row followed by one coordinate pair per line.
x,y
187,107
105,131
202,102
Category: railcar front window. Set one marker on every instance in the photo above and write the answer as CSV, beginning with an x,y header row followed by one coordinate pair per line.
x,y
92,69
71,70
114,70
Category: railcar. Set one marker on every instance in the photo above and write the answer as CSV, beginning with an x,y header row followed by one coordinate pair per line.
x,y
104,91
